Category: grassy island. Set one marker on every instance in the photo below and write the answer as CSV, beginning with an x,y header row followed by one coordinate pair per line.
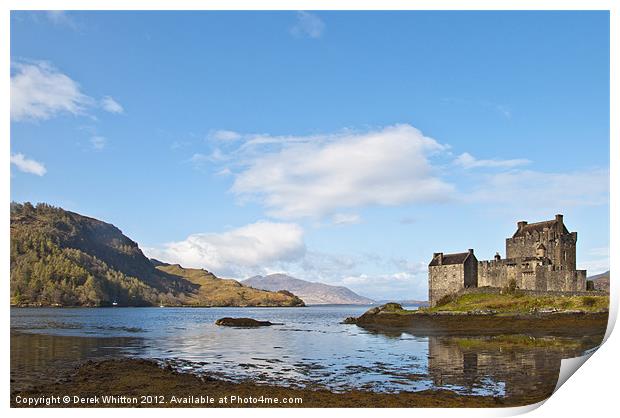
x,y
518,302
496,314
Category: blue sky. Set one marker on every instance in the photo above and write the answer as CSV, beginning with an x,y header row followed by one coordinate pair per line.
x,y
343,147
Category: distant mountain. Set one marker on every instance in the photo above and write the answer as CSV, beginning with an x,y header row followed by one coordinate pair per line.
x,y
601,281
64,258
312,293
213,291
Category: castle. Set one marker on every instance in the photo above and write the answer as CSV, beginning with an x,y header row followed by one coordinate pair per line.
x,y
540,256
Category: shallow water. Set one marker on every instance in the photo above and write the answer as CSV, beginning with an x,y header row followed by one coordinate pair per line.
x,y
311,348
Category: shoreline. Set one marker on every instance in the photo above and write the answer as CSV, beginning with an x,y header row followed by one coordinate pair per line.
x,y
181,306
558,324
115,374
138,378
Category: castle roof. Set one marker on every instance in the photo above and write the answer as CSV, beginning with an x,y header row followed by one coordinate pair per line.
x,y
538,227
456,258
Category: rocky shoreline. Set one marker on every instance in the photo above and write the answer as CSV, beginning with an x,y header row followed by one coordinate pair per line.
x,y
484,323
144,383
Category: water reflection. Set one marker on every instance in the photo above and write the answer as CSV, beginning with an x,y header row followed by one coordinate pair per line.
x,y
41,359
311,349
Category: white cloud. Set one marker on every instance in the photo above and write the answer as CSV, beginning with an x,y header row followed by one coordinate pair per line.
x,y
224,172
110,105
176,145
527,190
27,165
391,286
467,161
60,18
317,175
39,91
267,247
238,252
594,266
199,160
224,135
376,279
597,261
308,24
368,274
346,219
599,252
98,142
326,267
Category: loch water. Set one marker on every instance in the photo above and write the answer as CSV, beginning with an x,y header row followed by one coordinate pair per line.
x,y
311,348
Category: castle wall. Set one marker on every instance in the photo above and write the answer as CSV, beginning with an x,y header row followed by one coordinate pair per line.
x,y
497,291
560,248
531,280
563,280
541,257
445,279
493,273
566,252
530,275
526,245
470,272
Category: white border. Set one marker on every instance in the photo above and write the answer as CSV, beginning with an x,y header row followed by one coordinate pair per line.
x,y
591,393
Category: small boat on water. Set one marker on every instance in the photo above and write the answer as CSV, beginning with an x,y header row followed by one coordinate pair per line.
x,y
115,303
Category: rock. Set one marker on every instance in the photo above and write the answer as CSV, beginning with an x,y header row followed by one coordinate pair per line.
x,y
391,307
482,312
242,322
387,308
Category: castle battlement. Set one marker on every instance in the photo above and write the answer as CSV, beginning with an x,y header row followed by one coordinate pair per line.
x,y
540,256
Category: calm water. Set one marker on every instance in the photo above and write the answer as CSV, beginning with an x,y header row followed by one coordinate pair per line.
x,y
311,348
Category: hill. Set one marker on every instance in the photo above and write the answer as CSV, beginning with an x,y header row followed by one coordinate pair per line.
x,y
312,293
406,302
227,292
601,281
64,258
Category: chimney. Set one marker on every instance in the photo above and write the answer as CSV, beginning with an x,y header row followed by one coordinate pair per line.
x,y
497,257
471,250
439,256
559,223
521,224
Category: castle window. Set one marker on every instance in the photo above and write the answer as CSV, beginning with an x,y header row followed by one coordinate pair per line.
x,y
564,255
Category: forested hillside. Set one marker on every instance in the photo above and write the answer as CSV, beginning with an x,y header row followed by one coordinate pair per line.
x,y
63,258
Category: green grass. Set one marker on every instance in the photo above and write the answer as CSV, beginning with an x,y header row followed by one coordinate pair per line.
x,y
521,303
514,342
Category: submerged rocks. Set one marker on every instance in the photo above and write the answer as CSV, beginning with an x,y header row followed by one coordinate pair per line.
x,y
242,322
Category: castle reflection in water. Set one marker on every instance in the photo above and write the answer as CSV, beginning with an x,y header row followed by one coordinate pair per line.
x,y
509,366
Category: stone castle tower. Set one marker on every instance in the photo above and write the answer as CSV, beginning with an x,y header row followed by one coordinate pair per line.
x,y
541,256
548,239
